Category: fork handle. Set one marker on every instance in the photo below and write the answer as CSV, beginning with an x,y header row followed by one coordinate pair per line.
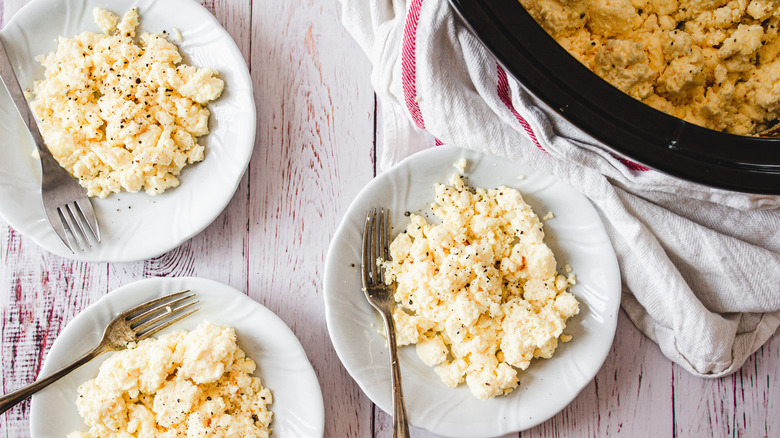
x,y
400,423
8,77
17,96
10,400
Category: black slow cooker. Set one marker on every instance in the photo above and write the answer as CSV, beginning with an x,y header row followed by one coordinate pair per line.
x,y
627,126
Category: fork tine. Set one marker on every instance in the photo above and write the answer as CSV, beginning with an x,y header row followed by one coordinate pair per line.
x,y
374,245
160,317
77,226
387,233
55,220
380,244
84,206
153,330
379,276
367,236
143,306
69,229
151,311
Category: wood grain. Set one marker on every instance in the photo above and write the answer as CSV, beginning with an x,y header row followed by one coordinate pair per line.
x,y
312,155
626,387
37,303
315,148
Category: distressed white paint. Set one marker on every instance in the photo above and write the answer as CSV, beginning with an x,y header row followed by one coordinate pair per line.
x,y
314,150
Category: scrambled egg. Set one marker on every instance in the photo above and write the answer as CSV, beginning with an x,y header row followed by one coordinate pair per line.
x,y
711,63
479,293
189,384
119,115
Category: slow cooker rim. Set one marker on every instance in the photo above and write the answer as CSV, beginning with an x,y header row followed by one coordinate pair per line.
x,y
625,125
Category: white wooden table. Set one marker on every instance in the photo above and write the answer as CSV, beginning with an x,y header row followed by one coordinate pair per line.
x,y
316,147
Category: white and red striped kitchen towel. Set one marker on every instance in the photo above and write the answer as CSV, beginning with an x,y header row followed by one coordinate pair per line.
x,y
700,266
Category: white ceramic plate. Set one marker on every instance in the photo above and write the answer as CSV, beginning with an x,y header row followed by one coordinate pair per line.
x,y
134,226
577,237
282,364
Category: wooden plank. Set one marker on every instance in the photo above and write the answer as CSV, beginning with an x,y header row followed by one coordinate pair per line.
x,y
757,393
703,407
635,380
41,294
217,252
313,154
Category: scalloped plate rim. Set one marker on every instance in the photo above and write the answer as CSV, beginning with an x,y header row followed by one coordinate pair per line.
x,y
446,156
245,135
302,379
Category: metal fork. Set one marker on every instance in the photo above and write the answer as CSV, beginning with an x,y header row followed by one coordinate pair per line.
x,y
132,325
376,247
67,207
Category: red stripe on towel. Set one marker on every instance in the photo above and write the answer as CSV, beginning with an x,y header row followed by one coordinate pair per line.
x,y
409,62
632,165
409,65
502,89
503,93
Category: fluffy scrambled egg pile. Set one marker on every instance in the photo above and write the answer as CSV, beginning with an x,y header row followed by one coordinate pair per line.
x,y
190,384
711,63
479,293
119,115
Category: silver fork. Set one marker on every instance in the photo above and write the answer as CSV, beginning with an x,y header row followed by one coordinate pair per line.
x,y
376,246
132,325
67,207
